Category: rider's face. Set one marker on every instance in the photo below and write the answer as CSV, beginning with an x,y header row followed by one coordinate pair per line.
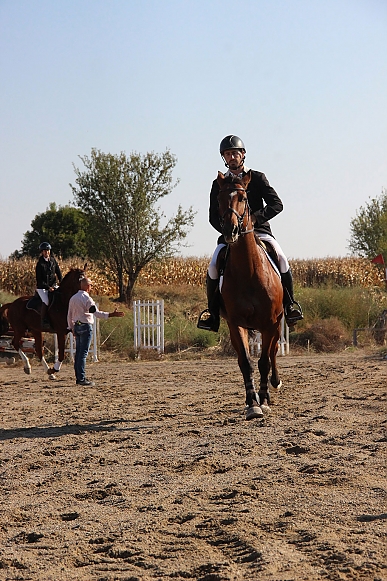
x,y
46,253
233,158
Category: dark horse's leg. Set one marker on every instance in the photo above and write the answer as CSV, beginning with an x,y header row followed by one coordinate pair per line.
x,y
61,337
19,332
239,340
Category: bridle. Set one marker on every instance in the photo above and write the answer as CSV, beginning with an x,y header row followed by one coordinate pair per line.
x,y
240,217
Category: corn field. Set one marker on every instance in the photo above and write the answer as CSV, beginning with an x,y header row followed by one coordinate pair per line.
x,y
18,276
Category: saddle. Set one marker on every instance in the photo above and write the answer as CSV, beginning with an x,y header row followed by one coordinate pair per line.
x,y
267,247
35,302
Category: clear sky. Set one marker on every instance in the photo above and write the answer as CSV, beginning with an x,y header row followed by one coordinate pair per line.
x,y
302,82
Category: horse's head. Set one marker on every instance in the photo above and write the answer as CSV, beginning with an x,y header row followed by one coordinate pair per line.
x,y
234,208
71,282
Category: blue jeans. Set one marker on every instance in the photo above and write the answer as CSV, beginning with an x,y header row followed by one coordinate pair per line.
x,y
83,334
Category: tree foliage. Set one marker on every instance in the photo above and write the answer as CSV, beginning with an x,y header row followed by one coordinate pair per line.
x,y
369,228
119,195
64,227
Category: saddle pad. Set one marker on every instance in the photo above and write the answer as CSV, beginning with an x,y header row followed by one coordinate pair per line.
x,y
34,303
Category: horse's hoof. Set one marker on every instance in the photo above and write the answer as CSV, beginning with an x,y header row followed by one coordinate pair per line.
x,y
253,411
265,408
277,387
52,376
27,370
51,371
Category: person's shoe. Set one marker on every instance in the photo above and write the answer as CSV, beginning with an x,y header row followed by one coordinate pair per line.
x,y
46,326
209,323
86,383
293,313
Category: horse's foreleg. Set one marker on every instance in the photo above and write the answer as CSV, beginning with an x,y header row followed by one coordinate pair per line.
x,y
39,351
59,361
274,379
264,369
239,340
27,365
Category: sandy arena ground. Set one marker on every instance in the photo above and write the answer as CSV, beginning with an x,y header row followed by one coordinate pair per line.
x,y
154,474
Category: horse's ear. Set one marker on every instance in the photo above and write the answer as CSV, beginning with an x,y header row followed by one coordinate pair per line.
x,y
246,179
85,267
220,177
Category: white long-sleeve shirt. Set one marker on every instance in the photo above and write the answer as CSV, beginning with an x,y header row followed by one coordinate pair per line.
x,y
79,310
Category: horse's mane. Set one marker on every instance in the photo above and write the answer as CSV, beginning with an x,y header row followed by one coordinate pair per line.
x,y
72,271
232,179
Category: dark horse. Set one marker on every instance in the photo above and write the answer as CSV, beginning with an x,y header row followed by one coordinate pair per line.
x,y
23,319
251,293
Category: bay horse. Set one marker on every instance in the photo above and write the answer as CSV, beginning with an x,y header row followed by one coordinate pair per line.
x,y
251,293
22,319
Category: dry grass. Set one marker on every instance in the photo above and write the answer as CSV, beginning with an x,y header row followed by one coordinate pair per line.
x,y
18,276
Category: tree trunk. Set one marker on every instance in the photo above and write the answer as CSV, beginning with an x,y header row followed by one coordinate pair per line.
x,y
129,290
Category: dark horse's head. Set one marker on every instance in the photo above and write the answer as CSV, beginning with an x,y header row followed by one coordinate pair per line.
x,y
71,282
234,211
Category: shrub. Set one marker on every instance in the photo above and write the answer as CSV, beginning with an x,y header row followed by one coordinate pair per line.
x,y
323,335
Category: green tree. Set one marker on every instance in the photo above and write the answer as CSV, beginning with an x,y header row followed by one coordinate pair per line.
x,y
369,228
119,195
64,227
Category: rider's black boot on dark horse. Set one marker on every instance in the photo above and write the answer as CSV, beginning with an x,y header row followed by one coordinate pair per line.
x,y
292,308
44,318
211,322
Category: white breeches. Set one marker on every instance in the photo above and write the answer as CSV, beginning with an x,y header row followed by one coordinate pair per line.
x,y
283,261
43,293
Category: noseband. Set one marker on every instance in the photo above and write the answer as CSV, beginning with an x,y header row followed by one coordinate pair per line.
x,y
240,217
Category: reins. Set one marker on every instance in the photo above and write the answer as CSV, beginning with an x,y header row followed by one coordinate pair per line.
x,y
240,217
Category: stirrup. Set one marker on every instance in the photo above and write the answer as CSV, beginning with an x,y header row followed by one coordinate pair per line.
x,y
210,323
292,315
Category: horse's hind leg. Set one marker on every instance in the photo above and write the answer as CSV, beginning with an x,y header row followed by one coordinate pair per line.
x,y
239,340
17,337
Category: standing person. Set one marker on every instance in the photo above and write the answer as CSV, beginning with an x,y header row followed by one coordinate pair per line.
x,y
47,271
264,203
80,321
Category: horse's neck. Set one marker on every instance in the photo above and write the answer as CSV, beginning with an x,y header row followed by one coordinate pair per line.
x,y
246,255
66,294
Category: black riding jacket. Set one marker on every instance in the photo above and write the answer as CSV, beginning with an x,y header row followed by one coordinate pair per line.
x,y
263,200
46,272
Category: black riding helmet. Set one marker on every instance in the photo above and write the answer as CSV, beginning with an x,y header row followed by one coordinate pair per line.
x,y
44,246
231,142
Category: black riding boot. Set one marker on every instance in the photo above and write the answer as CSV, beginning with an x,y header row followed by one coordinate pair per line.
x,y
212,321
292,308
43,316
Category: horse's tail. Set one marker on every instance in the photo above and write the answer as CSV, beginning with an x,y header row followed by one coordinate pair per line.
x,y
4,325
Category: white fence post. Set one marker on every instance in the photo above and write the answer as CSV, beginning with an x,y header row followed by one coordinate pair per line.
x,y
93,349
148,325
255,343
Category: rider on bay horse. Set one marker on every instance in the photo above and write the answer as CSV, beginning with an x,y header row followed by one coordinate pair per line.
x,y
264,203
47,270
